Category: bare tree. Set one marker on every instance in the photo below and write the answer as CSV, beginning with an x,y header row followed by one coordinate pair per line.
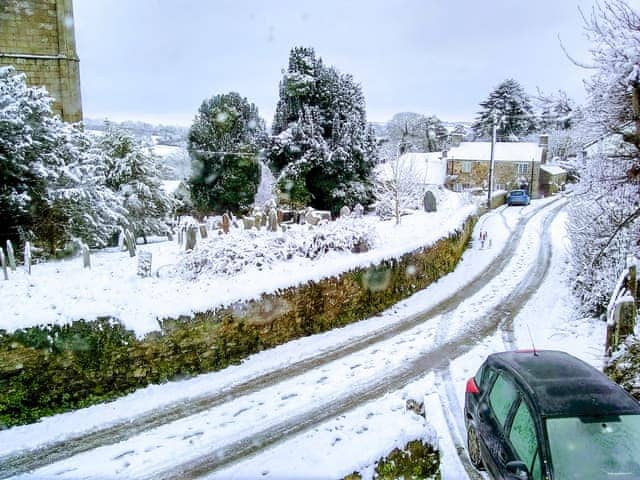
x,y
399,185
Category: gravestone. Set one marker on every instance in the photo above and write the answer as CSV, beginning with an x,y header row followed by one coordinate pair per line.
x,y
226,223
358,210
27,257
191,235
11,256
86,258
273,221
203,231
3,263
430,204
345,212
144,264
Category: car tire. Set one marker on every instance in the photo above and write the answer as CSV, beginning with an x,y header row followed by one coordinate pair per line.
x,y
473,448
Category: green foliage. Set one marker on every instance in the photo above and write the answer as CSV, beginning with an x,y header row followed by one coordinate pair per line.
x,y
416,461
50,369
224,141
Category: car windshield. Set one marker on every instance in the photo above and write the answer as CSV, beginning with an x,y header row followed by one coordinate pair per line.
x,y
606,447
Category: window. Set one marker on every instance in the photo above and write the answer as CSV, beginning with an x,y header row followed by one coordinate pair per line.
x,y
523,168
582,446
466,167
524,440
501,398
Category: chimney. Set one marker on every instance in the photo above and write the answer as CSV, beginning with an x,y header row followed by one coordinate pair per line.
x,y
543,142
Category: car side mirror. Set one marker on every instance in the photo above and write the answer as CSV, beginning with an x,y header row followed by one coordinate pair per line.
x,y
517,470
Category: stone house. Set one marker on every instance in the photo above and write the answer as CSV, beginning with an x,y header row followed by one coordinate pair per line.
x,y
516,165
552,179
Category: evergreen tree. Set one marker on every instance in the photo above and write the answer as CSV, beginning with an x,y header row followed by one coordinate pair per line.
x,y
131,172
510,106
224,142
321,146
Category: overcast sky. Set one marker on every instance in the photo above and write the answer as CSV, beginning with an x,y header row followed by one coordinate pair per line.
x,y
156,60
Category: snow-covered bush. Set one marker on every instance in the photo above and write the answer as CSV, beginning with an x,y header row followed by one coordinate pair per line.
x,y
244,249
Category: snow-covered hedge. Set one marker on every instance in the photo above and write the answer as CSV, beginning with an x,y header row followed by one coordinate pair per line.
x,y
243,249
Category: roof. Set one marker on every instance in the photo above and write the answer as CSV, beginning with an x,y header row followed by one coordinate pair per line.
x,y
430,167
504,151
553,169
553,378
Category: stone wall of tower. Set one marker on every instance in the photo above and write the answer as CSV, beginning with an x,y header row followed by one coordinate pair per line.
x,y
37,37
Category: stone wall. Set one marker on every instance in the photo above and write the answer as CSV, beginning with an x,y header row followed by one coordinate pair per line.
x,y
37,37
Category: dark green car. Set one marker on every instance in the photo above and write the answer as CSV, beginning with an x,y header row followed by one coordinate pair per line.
x,y
547,415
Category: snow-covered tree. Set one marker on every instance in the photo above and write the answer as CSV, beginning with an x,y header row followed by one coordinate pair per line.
x,y
131,172
398,187
413,132
321,148
510,106
52,184
224,142
604,217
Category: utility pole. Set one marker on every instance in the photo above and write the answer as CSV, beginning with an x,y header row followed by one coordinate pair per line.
x,y
493,146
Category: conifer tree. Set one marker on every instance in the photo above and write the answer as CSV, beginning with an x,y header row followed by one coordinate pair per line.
x,y
224,142
510,106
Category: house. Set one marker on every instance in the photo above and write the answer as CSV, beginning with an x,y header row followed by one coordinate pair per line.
x,y
516,165
552,179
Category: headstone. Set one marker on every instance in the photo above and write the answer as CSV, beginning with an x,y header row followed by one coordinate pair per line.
x,y
248,223
121,245
358,210
130,241
169,236
430,204
3,264
311,218
144,264
203,231
258,220
226,223
11,256
86,258
273,221
27,257
345,212
190,243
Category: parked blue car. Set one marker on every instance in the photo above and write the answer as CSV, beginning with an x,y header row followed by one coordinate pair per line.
x,y
518,197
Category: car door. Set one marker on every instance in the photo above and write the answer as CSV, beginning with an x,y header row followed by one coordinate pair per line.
x,y
524,439
494,412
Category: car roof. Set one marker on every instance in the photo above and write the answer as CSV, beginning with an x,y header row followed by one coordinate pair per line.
x,y
517,191
562,385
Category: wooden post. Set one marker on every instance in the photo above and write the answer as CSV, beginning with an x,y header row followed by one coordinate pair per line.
x,y
27,257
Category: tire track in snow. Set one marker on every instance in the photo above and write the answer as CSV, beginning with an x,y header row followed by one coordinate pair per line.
x,y
437,360
48,454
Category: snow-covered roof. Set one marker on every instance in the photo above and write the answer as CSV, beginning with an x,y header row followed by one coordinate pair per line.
x,y
553,169
504,151
430,167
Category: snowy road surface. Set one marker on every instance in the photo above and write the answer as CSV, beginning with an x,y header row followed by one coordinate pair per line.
x,y
326,405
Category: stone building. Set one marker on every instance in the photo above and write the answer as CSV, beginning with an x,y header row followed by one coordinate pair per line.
x,y
516,165
37,37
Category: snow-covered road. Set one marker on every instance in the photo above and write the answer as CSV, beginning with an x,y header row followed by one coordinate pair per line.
x,y
343,392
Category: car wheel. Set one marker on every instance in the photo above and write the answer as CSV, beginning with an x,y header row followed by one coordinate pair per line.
x,y
473,447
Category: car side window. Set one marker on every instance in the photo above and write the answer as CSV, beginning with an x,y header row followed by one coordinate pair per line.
x,y
524,440
501,398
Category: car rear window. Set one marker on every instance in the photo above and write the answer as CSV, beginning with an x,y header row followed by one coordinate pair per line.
x,y
517,193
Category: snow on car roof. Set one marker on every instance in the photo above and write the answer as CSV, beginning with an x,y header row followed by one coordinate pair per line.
x,y
563,385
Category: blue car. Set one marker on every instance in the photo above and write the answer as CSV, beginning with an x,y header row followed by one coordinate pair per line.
x,y
518,197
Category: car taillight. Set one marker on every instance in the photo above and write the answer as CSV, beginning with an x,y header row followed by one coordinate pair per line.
x,y
472,387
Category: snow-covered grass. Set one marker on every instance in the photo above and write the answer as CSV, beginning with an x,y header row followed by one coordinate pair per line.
x,y
60,292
